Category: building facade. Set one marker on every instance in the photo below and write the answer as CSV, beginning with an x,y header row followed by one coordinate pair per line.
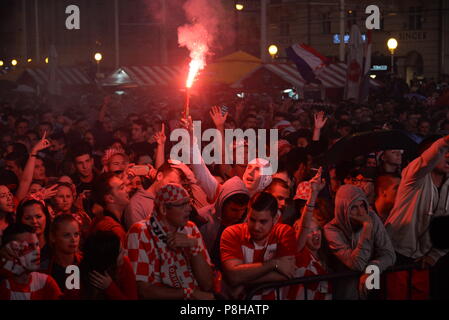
x,y
147,31
29,27
420,27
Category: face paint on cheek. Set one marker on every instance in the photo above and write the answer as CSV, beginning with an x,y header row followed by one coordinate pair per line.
x,y
15,266
31,261
30,256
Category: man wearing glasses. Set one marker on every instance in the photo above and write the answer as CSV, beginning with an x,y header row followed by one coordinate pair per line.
x,y
167,252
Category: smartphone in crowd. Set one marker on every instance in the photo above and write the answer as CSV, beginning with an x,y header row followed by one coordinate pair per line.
x,y
140,170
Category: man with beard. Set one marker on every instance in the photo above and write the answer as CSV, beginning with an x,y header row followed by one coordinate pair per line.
x,y
167,252
357,239
259,250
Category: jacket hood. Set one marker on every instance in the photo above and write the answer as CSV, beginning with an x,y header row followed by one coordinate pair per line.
x,y
212,213
232,186
141,193
345,198
264,179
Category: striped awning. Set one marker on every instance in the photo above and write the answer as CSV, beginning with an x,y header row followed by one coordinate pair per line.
x,y
65,75
332,76
147,75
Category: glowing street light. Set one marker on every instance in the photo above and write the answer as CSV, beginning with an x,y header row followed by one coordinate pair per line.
x,y
1,63
29,60
273,50
98,56
46,60
392,44
239,6
14,62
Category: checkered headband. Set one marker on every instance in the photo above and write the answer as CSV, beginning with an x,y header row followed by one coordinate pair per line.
x,y
171,193
303,191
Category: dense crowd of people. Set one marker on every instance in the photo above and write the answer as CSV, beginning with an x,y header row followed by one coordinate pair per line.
x,y
92,185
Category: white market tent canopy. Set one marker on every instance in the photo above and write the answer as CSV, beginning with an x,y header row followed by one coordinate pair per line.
x,y
138,76
66,76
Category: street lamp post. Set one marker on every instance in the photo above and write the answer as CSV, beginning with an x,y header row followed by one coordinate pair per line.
x,y
98,56
263,26
238,7
392,44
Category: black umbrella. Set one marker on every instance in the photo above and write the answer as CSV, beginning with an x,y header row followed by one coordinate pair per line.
x,y
363,143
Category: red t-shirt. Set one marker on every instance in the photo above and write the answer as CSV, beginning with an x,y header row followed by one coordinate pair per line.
x,y
40,287
236,244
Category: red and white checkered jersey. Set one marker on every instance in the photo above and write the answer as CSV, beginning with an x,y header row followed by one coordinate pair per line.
x,y
308,265
40,287
154,262
236,244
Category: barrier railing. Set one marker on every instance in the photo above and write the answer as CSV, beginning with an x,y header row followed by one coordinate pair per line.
x,y
335,276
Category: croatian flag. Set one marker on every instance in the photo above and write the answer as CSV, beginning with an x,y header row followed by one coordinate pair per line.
x,y
308,61
355,65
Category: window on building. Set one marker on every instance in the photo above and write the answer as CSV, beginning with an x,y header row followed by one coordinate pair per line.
x,y
326,23
415,18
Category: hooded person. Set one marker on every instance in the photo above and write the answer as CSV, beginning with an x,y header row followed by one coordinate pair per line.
x,y
357,239
229,209
423,195
254,178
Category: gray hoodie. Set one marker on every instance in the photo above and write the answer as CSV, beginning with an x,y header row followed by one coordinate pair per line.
x,y
212,213
348,246
140,207
417,202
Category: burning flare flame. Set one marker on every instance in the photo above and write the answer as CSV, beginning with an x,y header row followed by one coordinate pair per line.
x,y
198,62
